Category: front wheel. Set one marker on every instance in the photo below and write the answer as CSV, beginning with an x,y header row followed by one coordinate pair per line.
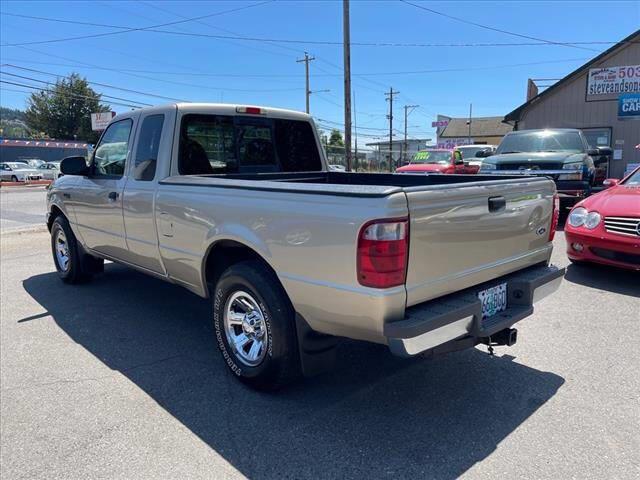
x,y
255,327
14,178
72,265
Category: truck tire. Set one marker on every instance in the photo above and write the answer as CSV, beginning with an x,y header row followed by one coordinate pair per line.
x,y
254,325
73,265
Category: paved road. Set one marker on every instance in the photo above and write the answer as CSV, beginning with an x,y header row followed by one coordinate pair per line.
x,y
22,207
121,378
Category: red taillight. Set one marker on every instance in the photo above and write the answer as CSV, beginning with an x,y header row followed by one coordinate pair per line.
x,y
383,250
250,110
555,216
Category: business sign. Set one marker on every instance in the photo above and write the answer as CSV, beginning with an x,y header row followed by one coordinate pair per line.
x,y
99,121
613,80
440,123
629,106
451,143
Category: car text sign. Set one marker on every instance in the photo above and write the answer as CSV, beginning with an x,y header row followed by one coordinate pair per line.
x,y
629,106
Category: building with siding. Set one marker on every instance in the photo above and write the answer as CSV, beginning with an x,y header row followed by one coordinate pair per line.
x,y
477,130
602,98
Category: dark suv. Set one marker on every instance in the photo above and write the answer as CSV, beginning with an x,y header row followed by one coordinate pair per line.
x,y
560,153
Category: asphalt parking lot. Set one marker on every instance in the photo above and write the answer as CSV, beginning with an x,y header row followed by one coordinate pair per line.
x,y
120,378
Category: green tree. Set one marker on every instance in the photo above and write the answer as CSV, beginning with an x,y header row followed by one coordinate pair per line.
x,y
64,110
335,139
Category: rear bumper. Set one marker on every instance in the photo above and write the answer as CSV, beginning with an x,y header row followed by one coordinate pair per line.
x,y
459,315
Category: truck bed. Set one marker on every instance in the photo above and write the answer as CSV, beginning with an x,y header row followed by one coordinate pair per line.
x,y
338,183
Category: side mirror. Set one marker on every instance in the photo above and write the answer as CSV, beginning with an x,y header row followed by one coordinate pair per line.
x,y
605,151
611,182
74,166
593,152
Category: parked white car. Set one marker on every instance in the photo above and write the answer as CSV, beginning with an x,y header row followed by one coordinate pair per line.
x,y
469,153
34,162
50,170
18,172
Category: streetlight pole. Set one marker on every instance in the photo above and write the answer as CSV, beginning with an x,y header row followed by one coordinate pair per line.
x,y
389,96
307,92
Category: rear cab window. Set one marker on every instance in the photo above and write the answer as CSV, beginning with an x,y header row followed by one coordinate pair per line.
x,y
222,144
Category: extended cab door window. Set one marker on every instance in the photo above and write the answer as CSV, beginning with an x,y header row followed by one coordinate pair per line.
x,y
111,154
146,157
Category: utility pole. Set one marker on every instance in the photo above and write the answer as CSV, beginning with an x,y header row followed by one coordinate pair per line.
x,y
355,131
389,96
347,82
406,114
306,61
469,123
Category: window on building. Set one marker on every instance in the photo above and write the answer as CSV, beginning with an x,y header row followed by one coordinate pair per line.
x,y
597,137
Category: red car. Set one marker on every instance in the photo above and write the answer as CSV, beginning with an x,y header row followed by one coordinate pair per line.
x,y
438,161
605,228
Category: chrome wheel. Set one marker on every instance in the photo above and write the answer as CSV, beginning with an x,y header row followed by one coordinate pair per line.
x,y
61,247
246,328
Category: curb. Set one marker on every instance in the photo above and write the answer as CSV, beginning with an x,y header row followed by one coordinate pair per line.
x,y
37,183
23,230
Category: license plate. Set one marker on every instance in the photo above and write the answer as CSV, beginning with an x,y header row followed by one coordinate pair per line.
x,y
494,300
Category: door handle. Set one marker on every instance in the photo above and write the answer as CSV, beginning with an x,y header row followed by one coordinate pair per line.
x,y
497,204
113,196
66,195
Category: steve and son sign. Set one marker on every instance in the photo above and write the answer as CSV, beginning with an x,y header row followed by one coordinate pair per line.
x,y
613,80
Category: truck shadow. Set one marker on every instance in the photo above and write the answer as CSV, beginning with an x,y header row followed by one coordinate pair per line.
x,y
373,416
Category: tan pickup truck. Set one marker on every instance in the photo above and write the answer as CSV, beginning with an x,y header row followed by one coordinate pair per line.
x,y
237,204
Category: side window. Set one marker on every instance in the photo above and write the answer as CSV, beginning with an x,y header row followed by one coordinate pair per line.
x,y
145,160
111,153
207,145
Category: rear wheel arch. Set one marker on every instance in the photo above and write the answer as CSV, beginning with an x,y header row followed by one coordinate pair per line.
x,y
222,254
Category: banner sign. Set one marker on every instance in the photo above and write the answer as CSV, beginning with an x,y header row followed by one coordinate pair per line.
x,y
629,106
7,142
99,121
440,123
613,80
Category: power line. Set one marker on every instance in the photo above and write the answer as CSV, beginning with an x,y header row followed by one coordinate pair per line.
x,y
154,29
139,104
66,94
126,29
494,29
292,75
162,97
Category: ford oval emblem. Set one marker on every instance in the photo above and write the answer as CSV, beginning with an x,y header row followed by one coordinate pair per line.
x,y
541,231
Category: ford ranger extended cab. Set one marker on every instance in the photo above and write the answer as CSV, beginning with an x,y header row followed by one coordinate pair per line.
x,y
237,205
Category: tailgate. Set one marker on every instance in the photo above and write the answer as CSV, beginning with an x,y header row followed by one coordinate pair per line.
x,y
463,235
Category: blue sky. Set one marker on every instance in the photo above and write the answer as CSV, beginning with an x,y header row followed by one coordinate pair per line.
x,y
265,73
